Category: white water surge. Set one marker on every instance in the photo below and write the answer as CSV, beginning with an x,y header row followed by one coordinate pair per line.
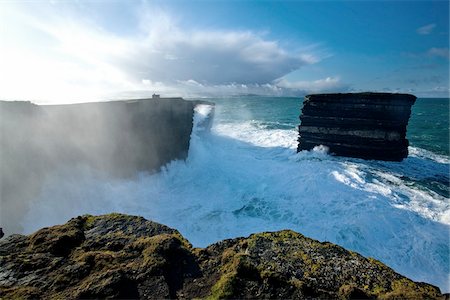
x,y
241,178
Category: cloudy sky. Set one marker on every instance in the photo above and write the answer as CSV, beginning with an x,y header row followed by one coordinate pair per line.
x,y
65,51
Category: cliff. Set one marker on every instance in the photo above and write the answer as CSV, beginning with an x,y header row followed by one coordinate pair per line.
x,y
114,139
120,256
362,125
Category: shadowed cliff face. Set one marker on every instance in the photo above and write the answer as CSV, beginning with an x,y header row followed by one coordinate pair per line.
x,y
113,139
120,256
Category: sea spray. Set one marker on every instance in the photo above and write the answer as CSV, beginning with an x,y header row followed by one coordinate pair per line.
x,y
245,177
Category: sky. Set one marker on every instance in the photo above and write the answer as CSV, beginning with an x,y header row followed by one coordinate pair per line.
x,y
75,51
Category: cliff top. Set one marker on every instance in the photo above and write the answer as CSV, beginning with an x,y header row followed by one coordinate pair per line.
x,y
365,97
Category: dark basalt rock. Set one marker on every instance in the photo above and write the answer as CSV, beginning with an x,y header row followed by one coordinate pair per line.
x,y
120,256
361,125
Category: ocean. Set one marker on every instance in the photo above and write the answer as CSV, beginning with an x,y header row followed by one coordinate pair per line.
x,y
244,176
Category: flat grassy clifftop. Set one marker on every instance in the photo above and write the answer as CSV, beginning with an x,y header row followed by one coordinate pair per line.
x,y
121,256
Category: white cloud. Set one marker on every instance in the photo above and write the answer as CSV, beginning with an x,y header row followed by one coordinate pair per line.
x,y
209,57
282,87
425,30
320,85
57,54
439,52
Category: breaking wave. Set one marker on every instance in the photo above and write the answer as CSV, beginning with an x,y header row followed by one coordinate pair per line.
x,y
246,177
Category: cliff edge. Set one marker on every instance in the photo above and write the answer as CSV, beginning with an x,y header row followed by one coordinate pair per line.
x,y
114,139
121,256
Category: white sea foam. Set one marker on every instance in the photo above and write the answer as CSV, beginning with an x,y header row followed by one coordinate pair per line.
x,y
428,155
243,178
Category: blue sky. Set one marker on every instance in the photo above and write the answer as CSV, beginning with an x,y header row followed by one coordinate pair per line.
x,y
86,50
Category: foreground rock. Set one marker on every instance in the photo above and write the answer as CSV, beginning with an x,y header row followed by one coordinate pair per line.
x,y
114,139
362,125
120,256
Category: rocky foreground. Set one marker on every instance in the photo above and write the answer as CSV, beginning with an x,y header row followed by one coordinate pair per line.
x,y
121,256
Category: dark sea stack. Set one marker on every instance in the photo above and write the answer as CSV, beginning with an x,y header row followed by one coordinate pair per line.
x,y
360,125
128,257
117,139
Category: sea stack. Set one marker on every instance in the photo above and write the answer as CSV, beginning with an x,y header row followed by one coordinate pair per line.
x,y
360,125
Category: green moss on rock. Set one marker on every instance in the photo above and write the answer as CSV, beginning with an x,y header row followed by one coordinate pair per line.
x,y
58,240
121,256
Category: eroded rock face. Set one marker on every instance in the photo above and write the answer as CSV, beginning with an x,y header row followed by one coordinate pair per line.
x,y
361,125
120,256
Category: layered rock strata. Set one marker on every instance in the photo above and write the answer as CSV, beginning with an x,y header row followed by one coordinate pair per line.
x,y
361,125
120,256
114,139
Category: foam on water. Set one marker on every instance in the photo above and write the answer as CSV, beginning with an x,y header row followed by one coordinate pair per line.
x,y
245,177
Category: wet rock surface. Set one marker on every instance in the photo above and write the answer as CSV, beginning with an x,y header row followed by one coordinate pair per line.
x,y
361,125
121,256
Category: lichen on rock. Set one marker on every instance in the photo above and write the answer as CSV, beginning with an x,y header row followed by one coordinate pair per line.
x,y
121,256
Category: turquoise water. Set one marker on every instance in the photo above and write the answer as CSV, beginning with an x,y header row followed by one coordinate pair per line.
x,y
428,130
428,126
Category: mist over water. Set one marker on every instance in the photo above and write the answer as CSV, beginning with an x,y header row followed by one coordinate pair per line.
x,y
108,139
244,176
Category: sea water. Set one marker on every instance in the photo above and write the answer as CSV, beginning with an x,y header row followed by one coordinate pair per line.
x,y
244,176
